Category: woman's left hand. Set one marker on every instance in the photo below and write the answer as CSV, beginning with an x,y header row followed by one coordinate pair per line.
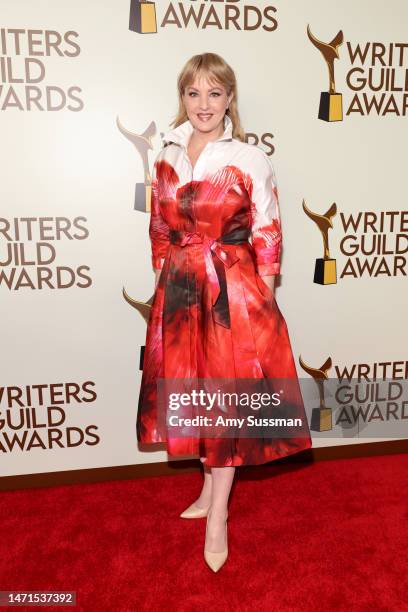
x,y
157,273
270,282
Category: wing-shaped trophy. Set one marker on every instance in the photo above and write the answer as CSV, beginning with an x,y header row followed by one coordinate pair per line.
x,y
325,267
331,106
322,414
142,143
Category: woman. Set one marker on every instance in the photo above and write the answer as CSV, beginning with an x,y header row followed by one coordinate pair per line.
x,y
214,314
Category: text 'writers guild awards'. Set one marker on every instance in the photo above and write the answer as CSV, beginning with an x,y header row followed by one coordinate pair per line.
x,y
325,267
331,106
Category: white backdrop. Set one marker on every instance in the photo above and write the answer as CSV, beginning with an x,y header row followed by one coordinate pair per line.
x,y
74,163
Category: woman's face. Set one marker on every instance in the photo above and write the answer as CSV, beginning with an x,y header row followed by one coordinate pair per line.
x,y
205,103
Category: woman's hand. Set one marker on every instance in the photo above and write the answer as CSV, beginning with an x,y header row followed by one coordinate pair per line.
x,y
157,274
270,282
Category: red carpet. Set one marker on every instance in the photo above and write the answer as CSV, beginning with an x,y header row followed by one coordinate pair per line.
x,y
330,535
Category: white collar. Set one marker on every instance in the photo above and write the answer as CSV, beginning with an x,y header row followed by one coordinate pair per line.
x,y
181,134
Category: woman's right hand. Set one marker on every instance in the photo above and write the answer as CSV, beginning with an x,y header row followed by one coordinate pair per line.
x,y
157,275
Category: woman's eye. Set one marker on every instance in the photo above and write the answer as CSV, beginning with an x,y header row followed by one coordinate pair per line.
x,y
214,93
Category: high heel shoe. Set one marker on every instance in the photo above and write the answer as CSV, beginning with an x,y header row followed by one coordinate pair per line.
x,y
194,511
215,560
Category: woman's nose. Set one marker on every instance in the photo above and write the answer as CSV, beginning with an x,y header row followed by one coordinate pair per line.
x,y
204,102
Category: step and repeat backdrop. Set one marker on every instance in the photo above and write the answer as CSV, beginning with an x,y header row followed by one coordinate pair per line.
x,y
87,91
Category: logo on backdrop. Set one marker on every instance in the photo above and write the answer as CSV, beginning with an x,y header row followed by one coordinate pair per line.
x,y
28,252
143,143
37,416
376,78
371,397
331,107
374,244
24,76
325,267
202,15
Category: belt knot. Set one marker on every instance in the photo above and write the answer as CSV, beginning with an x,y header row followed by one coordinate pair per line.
x,y
215,273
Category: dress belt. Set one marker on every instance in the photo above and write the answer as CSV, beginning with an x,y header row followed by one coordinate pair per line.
x,y
215,266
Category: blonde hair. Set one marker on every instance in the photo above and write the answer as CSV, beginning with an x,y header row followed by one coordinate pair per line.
x,y
215,68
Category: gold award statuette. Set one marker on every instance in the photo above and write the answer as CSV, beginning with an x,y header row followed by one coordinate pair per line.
x,y
331,107
142,18
325,267
321,415
142,142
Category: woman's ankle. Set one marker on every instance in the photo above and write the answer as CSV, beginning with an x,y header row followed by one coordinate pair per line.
x,y
204,499
219,512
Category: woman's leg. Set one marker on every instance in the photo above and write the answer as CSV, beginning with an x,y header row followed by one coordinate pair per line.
x,y
204,500
222,479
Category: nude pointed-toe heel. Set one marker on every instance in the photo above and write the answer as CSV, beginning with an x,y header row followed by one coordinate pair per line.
x,y
194,511
215,560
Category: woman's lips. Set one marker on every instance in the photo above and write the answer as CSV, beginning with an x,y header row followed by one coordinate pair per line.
x,y
204,117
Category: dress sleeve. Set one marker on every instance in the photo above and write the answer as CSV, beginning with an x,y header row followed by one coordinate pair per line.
x,y
265,218
158,228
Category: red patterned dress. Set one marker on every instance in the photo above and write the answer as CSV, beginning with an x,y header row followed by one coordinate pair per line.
x,y
212,314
